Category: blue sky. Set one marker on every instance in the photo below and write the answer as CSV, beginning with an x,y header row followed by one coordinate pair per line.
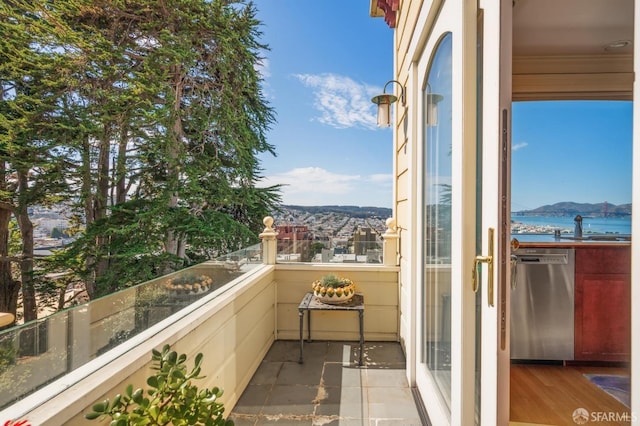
x,y
327,59
571,151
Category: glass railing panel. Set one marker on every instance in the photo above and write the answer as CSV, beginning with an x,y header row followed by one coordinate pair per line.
x,y
336,251
38,352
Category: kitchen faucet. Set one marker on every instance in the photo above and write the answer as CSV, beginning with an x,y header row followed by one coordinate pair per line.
x,y
577,233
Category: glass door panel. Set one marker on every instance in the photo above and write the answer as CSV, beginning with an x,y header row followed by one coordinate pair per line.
x,y
436,292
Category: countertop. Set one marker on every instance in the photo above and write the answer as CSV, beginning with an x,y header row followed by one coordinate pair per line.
x,y
549,240
575,244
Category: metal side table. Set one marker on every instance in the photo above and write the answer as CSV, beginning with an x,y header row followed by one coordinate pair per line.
x,y
310,303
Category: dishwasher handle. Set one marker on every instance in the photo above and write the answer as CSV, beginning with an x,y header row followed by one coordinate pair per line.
x,y
514,271
515,245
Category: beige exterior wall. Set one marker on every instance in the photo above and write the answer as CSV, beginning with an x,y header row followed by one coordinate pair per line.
x,y
234,330
405,161
378,284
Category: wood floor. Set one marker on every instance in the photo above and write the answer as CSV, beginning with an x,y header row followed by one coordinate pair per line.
x,y
549,394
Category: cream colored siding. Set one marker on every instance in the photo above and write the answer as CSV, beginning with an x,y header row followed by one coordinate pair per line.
x,y
402,214
407,19
378,284
403,187
402,160
404,306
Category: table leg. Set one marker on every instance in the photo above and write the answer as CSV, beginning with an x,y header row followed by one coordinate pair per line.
x,y
309,326
301,315
361,318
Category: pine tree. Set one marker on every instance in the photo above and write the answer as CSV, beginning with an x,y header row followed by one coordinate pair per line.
x,y
32,154
148,117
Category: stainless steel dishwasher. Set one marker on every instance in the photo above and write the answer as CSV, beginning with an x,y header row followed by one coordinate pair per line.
x,y
542,304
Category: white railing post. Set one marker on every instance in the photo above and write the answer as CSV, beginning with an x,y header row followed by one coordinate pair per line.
x,y
269,242
390,245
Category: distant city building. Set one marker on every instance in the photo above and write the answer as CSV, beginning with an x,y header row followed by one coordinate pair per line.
x,y
333,229
295,239
364,239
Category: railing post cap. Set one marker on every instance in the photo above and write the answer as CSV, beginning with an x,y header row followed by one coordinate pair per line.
x,y
391,223
268,231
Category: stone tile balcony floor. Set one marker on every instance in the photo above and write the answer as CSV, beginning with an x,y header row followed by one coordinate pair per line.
x,y
329,388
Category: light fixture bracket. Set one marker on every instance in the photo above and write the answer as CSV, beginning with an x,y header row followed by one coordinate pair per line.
x,y
386,98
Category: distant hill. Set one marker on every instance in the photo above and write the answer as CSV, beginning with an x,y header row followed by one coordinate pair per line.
x,y
353,211
568,208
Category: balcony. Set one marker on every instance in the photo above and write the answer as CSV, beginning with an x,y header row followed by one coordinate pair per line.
x,y
329,388
246,324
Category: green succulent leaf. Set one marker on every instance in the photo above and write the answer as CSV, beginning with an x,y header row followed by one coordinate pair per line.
x,y
137,396
152,381
101,407
92,416
173,397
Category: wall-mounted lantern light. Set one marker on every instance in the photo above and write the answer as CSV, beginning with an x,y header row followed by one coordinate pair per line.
x,y
384,102
432,108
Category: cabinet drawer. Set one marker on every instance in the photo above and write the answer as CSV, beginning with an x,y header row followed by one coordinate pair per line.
x,y
603,260
603,317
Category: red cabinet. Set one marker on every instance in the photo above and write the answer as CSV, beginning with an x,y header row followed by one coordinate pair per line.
x,y
603,304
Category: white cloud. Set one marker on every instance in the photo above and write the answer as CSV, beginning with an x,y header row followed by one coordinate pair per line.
x,y
341,101
381,177
262,66
519,146
263,69
315,186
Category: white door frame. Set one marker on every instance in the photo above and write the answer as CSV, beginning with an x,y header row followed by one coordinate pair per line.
x,y
495,380
461,22
496,139
635,229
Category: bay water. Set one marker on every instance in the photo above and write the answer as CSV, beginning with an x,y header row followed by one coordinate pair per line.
x,y
545,225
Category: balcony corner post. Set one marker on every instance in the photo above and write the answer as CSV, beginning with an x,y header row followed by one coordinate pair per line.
x,y
269,242
390,245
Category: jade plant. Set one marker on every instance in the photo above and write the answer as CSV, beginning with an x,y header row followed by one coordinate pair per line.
x,y
171,398
333,281
333,289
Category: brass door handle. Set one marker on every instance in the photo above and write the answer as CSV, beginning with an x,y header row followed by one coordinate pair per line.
x,y
476,269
